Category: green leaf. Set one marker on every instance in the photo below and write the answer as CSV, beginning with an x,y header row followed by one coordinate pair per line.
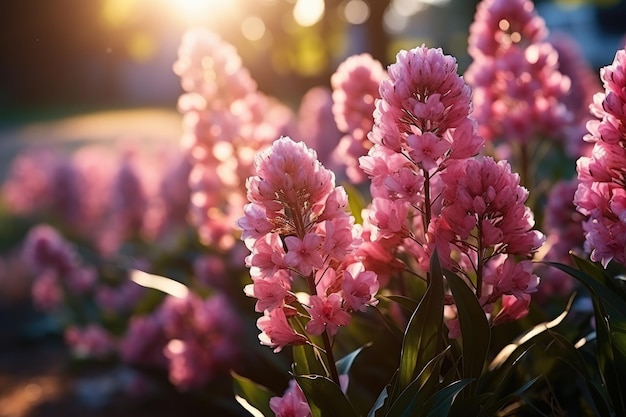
x,y
512,352
611,300
380,401
356,202
256,396
419,389
390,325
571,356
475,331
610,314
404,302
344,364
439,404
306,361
327,397
423,335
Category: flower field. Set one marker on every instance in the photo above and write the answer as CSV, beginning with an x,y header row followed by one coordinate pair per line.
x,y
409,241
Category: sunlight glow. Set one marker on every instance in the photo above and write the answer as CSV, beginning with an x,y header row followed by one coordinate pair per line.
x,y
166,285
248,407
115,13
195,11
308,12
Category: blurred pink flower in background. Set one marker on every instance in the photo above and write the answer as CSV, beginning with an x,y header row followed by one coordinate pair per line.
x,y
355,89
519,93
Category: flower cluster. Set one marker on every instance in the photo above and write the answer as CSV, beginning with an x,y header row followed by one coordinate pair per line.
x,y
355,88
99,196
601,194
296,226
226,121
195,339
485,228
518,89
563,226
55,264
421,123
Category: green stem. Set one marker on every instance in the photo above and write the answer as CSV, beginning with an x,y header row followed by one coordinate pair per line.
x,y
328,347
331,357
479,266
427,202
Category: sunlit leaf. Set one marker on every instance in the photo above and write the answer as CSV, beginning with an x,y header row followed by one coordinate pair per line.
x,y
570,355
256,396
526,338
307,361
167,285
327,397
356,202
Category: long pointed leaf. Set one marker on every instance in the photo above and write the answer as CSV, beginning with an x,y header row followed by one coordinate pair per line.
x,y
255,395
419,390
422,338
475,331
344,364
326,396
307,361
610,314
439,404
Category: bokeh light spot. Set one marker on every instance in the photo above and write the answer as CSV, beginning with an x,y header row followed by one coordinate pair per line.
x,y
356,12
253,28
308,12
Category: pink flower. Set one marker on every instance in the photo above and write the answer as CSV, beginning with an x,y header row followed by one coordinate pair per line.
x,y
316,125
423,92
270,292
254,224
45,248
267,257
292,404
339,237
46,291
510,277
202,338
90,341
326,314
143,341
359,287
421,125
389,216
426,149
515,74
355,88
484,194
513,308
601,193
312,236
276,332
210,67
304,255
